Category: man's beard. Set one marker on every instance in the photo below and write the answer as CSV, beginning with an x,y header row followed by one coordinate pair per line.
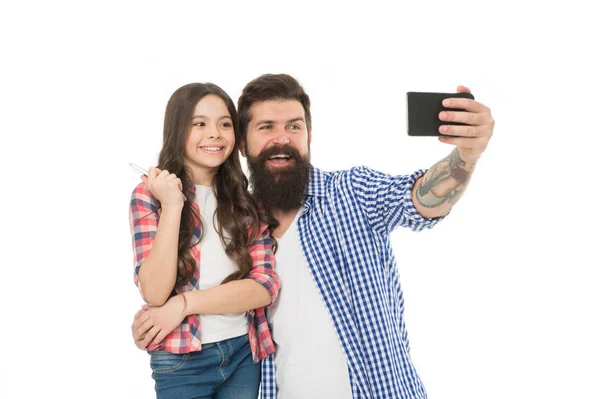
x,y
279,188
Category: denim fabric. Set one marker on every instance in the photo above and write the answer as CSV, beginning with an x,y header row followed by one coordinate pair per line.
x,y
221,370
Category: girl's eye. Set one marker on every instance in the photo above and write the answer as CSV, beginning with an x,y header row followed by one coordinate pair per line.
x,y
199,124
227,124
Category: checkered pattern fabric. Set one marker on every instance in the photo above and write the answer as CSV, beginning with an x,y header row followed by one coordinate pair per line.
x,y
144,215
344,232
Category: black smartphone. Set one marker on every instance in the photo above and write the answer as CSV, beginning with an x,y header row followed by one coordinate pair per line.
x,y
423,110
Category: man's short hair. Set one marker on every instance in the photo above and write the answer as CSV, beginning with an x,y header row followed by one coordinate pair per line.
x,y
271,87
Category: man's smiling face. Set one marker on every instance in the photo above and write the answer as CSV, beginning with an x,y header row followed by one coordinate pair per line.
x,y
275,123
277,146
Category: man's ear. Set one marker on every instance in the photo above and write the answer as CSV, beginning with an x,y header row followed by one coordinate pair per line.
x,y
309,138
242,148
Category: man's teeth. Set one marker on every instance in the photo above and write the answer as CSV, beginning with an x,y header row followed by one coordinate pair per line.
x,y
280,156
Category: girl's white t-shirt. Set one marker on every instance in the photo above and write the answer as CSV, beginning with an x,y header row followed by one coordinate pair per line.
x,y
214,267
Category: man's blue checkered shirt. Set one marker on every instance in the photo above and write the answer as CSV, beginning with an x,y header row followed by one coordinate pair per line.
x,y
344,232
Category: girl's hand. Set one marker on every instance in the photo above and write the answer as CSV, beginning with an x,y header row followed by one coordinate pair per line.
x,y
154,324
165,186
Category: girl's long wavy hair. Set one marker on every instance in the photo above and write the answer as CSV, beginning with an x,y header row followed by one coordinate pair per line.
x,y
236,208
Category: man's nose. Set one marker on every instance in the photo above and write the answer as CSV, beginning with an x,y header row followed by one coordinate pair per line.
x,y
281,138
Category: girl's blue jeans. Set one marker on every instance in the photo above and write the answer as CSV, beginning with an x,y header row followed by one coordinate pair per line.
x,y
221,370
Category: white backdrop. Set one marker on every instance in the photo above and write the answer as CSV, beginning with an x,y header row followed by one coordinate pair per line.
x,y
501,298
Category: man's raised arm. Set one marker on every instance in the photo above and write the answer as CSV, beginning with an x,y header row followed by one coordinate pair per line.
x,y
441,187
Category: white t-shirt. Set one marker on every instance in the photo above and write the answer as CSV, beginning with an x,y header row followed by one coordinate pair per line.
x,y
214,267
309,360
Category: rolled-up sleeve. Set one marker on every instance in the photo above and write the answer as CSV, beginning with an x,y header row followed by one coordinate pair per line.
x,y
143,223
387,200
263,262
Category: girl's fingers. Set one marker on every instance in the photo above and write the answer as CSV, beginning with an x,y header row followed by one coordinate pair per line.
x,y
153,172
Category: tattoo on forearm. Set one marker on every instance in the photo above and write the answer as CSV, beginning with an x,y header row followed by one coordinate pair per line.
x,y
444,182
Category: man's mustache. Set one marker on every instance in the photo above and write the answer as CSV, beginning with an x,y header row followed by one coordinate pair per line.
x,y
285,149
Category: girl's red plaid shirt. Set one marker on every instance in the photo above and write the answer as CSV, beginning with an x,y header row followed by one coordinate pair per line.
x,y
144,214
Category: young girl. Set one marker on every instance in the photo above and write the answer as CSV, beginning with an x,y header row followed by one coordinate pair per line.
x,y
203,255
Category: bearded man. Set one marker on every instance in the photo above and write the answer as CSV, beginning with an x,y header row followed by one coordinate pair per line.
x,y
338,323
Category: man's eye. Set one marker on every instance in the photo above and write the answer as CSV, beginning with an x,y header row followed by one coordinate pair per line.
x,y
294,127
264,127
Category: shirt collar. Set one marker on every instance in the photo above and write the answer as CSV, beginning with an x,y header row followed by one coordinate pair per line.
x,y
316,184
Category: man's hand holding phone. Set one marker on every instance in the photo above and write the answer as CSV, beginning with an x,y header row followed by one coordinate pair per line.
x,y
455,117
471,138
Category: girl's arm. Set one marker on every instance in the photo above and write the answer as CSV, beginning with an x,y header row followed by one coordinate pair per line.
x,y
258,290
155,239
232,297
158,272
155,323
